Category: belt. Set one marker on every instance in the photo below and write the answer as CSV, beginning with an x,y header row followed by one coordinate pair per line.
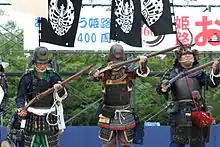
x,y
40,111
119,107
185,100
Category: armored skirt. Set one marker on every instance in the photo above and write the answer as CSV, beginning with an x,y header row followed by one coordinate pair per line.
x,y
121,119
183,130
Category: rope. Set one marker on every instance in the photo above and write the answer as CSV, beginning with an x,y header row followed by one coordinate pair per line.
x,y
59,108
118,114
212,75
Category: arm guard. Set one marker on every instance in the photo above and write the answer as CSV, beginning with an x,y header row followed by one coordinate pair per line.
x,y
169,75
22,91
207,79
91,78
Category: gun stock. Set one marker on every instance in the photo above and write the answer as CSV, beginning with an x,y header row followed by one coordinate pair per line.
x,y
49,91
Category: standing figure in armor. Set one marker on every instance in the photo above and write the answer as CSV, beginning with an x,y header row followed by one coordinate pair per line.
x,y
3,89
3,95
187,97
15,135
41,124
116,117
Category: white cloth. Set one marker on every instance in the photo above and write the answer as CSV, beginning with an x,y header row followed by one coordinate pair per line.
x,y
40,111
212,75
2,93
61,122
59,107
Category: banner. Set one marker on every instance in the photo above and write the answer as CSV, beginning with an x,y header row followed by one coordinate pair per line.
x,y
94,31
196,2
159,16
60,27
36,8
126,22
203,25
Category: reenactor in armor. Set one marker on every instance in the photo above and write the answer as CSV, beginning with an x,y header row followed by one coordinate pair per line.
x,y
40,123
116,117
3,89
3,94
15,135
187,97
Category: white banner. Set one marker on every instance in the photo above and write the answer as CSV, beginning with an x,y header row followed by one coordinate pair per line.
x,y
176,2
196,2
31,7
94,27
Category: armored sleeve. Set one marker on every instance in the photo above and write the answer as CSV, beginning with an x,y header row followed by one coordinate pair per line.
x,y
22,90
91,78
205,80
168,75
55,78
134,71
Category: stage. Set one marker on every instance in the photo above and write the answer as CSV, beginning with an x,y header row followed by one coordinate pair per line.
x,y
155,136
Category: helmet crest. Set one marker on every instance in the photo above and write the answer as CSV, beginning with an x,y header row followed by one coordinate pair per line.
x,y
186,49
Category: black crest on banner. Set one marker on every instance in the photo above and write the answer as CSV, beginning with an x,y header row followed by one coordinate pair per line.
x,y
158,15
61,26
126,22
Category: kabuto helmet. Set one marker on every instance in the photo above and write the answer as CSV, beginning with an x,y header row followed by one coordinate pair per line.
x,y
186,49
116,53
41,55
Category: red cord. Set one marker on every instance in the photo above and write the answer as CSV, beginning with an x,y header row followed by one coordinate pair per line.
x,y
194,102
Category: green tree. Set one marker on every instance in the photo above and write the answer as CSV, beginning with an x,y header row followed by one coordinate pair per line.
x,y
11,50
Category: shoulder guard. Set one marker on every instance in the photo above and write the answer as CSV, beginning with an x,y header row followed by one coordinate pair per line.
x,y
91,72
26,77
196,74
173,72
169,74
53,73
29,70
50,69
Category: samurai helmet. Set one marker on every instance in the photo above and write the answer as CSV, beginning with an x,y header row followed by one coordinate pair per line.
x,y
186,49
116,53
41,55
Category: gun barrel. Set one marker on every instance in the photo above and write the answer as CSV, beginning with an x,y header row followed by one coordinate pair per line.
x,y
49,91
183,74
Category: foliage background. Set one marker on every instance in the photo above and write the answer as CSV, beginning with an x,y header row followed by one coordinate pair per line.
x,y
82,94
